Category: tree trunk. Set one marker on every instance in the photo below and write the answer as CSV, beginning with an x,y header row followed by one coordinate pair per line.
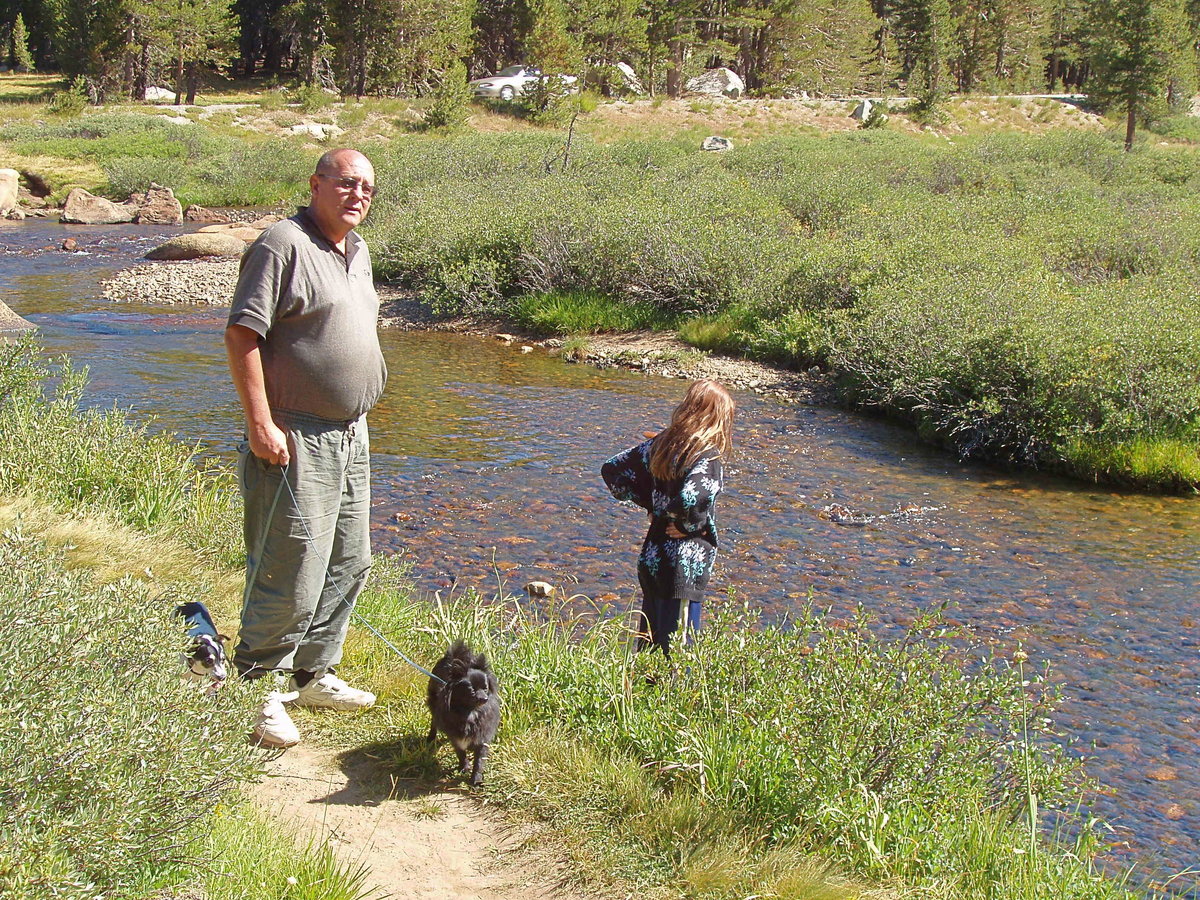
x,y
1130,124
193,81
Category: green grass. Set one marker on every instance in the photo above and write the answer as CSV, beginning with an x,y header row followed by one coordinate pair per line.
x,y
586,313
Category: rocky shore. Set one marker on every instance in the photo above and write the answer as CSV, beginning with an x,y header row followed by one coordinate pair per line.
x,y
210,282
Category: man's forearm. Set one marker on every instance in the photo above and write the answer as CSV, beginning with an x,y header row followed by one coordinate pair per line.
x,y
246,369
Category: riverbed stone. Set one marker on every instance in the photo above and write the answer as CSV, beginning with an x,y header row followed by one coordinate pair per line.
x,y
9,188
720,82
196,213
84,208
10,321
197,246
158,206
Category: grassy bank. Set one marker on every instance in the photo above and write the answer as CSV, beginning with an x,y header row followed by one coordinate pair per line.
x,y
1024,299
812,760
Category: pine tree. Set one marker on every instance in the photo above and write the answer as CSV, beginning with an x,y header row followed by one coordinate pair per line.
x,y
1133,47
22,59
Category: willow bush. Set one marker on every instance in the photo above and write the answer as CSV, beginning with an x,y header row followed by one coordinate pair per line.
x,y
1023,299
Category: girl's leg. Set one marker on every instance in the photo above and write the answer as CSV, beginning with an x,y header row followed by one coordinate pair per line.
x,y
668,621
650,617
693,621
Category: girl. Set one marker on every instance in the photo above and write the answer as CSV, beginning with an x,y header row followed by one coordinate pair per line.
x,y
676,477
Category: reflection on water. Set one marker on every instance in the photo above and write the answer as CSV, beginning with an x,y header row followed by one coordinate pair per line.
x,y
486,462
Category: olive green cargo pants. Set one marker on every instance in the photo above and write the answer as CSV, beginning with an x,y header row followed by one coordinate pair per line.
x,y
308,549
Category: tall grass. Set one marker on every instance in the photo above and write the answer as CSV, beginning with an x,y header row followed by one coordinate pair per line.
x,y
99,462
808,760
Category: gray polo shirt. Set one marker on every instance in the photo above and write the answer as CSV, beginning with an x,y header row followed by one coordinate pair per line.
x,y
316,313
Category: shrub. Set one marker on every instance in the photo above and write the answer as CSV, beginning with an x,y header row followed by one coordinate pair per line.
x,y
111,763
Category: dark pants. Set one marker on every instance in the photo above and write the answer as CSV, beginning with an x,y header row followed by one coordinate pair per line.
x,y
660,618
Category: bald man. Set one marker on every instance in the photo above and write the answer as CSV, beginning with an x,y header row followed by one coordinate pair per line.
x,y
305,359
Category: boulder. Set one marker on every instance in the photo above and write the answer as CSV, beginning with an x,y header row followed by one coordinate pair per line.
x,y
83,208
240,230
10,321
16,214
717,83
157,206
9,190
199,214
862,111
713,142
160,95
266,221
539,589
318,130
196,246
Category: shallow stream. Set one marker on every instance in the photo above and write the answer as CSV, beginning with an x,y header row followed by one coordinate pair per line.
x,y
485,470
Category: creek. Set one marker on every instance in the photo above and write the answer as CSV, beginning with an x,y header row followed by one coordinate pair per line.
x,y
485,473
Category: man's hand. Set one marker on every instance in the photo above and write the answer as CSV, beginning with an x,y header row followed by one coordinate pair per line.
x,y
267,441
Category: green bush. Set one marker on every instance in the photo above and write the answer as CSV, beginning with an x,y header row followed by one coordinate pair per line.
x,y
111,763
975,289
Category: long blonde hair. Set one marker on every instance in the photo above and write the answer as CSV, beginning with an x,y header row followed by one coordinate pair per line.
x,y
703,419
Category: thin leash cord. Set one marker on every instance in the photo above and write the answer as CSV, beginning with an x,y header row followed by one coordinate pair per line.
x,y
355,614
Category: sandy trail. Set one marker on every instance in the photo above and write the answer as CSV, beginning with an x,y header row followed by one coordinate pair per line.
x,y
424,844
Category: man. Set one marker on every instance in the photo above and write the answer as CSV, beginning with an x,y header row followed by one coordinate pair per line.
x,y
305,359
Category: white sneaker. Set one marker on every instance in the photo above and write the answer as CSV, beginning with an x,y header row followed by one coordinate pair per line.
x,y
330,692
275,728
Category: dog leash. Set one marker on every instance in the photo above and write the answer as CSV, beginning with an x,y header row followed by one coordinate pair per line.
x,y
355,614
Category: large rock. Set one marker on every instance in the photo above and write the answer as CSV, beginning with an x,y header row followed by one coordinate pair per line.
x,y
195,246
862,111
241,230
10,321
318,130
9,186
715,142
160,95
83,208
157,206
717,83
199,214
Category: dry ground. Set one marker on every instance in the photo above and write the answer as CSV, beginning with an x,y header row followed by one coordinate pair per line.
x,y
419,845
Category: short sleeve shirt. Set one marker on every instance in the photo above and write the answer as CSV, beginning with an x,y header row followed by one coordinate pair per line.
x,y
316,313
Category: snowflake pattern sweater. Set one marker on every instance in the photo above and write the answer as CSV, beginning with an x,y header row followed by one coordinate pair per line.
x,y
676,567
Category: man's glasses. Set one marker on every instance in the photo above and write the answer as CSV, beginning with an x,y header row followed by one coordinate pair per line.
x,y
350,185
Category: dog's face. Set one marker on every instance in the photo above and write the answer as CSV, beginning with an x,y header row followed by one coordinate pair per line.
x,y
470,690
207,659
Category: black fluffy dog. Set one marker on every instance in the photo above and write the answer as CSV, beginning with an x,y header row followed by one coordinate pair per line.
x,y
465,706
205,660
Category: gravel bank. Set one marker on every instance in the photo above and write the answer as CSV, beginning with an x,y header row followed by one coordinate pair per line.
x,y
196,282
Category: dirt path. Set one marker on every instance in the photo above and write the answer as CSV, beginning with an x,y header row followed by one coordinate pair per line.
x,y
419,844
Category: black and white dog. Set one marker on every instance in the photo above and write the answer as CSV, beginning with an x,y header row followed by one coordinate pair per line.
x,y
205,661
464,703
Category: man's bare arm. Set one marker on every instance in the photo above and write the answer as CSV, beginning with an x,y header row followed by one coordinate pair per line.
x,y
267,441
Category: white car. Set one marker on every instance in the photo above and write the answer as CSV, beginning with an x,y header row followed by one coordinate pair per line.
x,y
511,81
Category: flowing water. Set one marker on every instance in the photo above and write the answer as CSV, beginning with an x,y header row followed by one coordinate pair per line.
x,y
485,469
